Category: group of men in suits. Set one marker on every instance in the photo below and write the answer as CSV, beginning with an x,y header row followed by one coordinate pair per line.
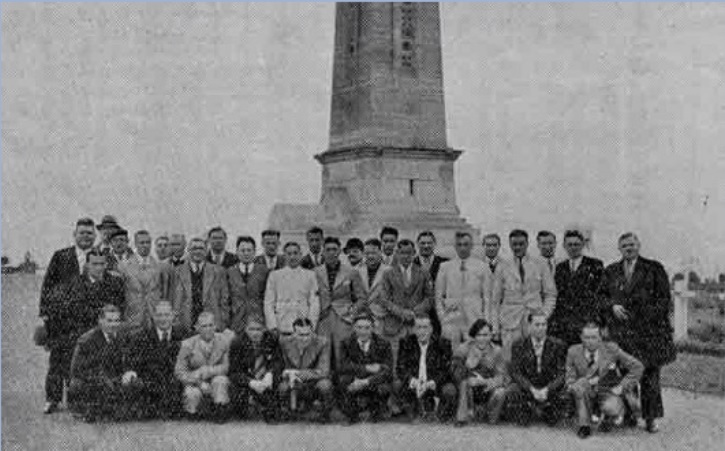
x,y
326,326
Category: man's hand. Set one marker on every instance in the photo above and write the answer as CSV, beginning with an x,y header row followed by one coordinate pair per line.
x,y
430,385
267,380
544,393
413,385
128,377
593,381
257,386
620,312
476,381
408,315
357,385
373,368
617,390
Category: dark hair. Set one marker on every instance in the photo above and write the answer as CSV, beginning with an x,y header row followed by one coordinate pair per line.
x,y
333,240
246,239
141,232
518,233
387,230
354,243
95,252
462,234
290,244
270,232
85,222
363,316
315,231
573,234
406,242
536,313
592,325
108,308
302,322
491,235
426,233
544,233
255,317
373,242
423,315
216,229
626,235
477,326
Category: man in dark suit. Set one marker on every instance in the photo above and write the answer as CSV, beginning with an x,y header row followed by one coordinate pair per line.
x,y
637,307
538,367
314,257
427,259
407,291
107,225
270,258
247,281
366,371
99,388
217,238
255,368
389,239
578,286
121,252
599,374
424,372
306,374
152,358
65,265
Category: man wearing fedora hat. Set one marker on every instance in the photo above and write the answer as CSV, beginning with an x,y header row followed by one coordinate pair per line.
x,y
120,250
107,225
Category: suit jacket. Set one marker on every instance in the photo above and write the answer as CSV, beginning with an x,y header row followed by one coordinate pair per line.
x,y
154,360
437,360
490,364
353,360
398,298
242,360
611,358
375,290
514,299
114,261
215,295
192,357
83,300
461,298
524,370
647,334
228,261
308,263
346,297
313,362
246,297
145,286
63,268
96,360
281,261
435,266
578,298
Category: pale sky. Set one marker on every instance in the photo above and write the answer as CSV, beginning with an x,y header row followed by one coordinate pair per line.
x,y
184,116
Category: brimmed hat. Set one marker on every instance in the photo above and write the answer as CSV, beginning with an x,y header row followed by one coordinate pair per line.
x,y
108,222
118,232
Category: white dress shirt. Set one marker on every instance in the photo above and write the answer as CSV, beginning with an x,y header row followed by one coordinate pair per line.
x,y
81,257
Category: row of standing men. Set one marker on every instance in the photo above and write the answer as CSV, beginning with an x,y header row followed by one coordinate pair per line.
x,y
456,293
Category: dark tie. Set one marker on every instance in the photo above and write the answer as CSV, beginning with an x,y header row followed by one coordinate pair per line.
x,y
521,270
167,337
551,265
591,360
246,271
492,267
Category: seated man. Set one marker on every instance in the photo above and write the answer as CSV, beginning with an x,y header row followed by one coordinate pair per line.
x,y
593,377
98,387
537,369
424,371
366,370
151,361
306,374
479,370
255,366
202,367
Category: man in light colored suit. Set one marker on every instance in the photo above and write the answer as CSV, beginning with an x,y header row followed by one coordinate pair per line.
x,y
461,291
200,286
522,286
341,296
270,258
202,366
491,247
407,292
247,282
161,244
291,293
546,242
594,375
146,283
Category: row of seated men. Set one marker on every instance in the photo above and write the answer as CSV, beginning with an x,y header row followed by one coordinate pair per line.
x,y
279,289
159,373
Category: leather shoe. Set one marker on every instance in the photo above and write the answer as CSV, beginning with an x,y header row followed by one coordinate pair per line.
x,y
584,432
606,425
651,427
50,407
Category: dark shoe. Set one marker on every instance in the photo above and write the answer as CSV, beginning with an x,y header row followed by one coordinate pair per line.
x,y
651,426
584,432
50,407
606,425
460,423
630,422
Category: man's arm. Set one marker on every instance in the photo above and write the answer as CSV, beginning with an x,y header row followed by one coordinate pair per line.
x,y
385,359
225,305
517,366
322,366
427,296
634,367
222,367
238,374
388,297
571,373
181,369
548,291
440,288
50,281
270,302
559,350
406,363
357,292
313,301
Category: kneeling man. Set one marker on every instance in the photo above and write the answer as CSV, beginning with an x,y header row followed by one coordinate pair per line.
x,y
593,376
424,372
366,371
306,374
202,367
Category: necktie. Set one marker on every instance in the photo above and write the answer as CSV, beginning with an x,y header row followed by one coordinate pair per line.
x,y
573,266
591,360
463,273
406,276
246,271
492,267
628,267
522,273
167,338
551,265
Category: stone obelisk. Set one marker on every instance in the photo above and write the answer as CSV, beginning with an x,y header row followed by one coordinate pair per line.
x,y
388,161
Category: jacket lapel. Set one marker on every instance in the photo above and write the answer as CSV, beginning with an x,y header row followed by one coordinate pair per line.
x,y
341,273
208,280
